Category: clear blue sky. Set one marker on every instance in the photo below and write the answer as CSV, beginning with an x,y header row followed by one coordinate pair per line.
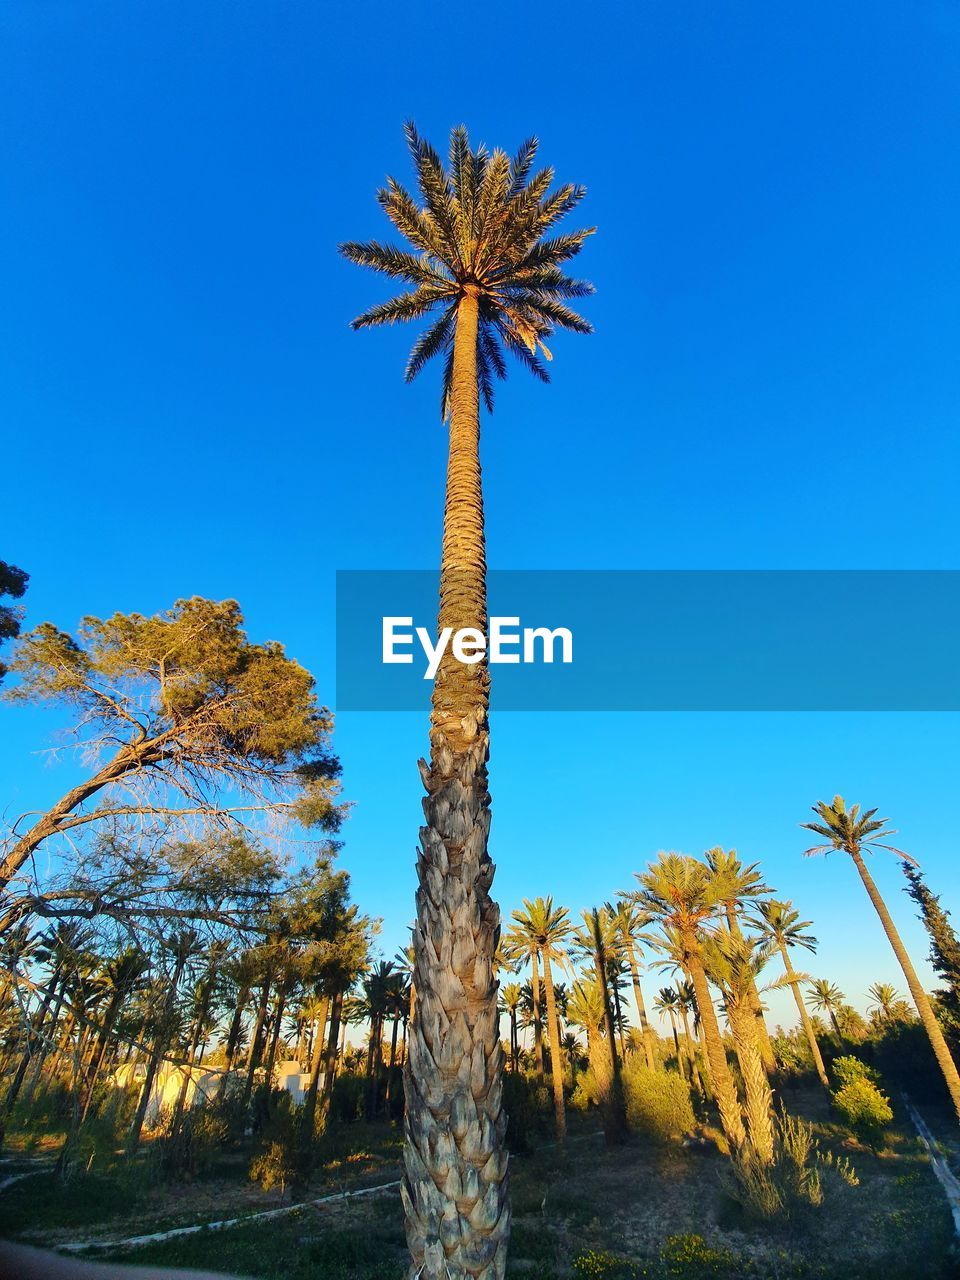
x,y
773,382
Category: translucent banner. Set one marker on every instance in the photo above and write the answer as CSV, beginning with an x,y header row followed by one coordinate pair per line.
x,y
638,640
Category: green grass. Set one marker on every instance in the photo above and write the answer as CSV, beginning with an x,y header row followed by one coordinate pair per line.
x,y
634,1213
291,1248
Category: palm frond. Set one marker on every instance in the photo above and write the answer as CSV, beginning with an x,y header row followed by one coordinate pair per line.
x,y
405,306
479,228
522,352
391,261
484,378
554,312
521,165
431,342
412,222
551,253
446,386
491,348
435,187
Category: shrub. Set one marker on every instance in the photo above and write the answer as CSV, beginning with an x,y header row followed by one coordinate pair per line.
x,y
528,1107
690,1257
600,1264
864,1108
346,1100
195,1144
658,1102
275,1166
846,1070
794,1182
283,1159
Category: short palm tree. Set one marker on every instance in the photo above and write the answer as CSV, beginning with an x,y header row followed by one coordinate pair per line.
x,y
510,999
630,924
826,997
853,832
585,1008
687,1004
783,929
683,894
667,1001
482,262
884,999
541,929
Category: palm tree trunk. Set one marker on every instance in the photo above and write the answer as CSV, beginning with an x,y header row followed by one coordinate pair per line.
x,y
755,1004
920,997
805,1018
33,1027
253,1051
676,1045
724,1089
691,1050
455,1185
615,1119
275,1038
646,1029
156,1057
514,1043
330,1058
233,1039
556,1062
618,1015
706,1082
187,1070
310,1102
100,1051
373,1046
537,1024
393,1062
759,1098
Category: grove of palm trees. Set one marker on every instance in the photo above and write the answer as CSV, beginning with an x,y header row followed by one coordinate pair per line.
x,y
607,984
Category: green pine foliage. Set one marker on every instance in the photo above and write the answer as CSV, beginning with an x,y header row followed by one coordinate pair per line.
x,y
944,943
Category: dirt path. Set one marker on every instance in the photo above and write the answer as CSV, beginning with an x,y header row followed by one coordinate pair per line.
x,y
155,1237
944,1174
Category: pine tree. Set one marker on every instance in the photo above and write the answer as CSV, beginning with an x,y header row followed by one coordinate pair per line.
x,y
944,944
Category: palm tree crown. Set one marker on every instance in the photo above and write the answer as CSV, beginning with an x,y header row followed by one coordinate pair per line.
x,y
482,230
826,996
782,925
849,829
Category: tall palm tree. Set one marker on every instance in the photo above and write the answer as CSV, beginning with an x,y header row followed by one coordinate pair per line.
x,y
597,938
541,929
733,964
826,997
630,924
783,928
683,894
116,981
854,832
480,255
743,884
183,947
